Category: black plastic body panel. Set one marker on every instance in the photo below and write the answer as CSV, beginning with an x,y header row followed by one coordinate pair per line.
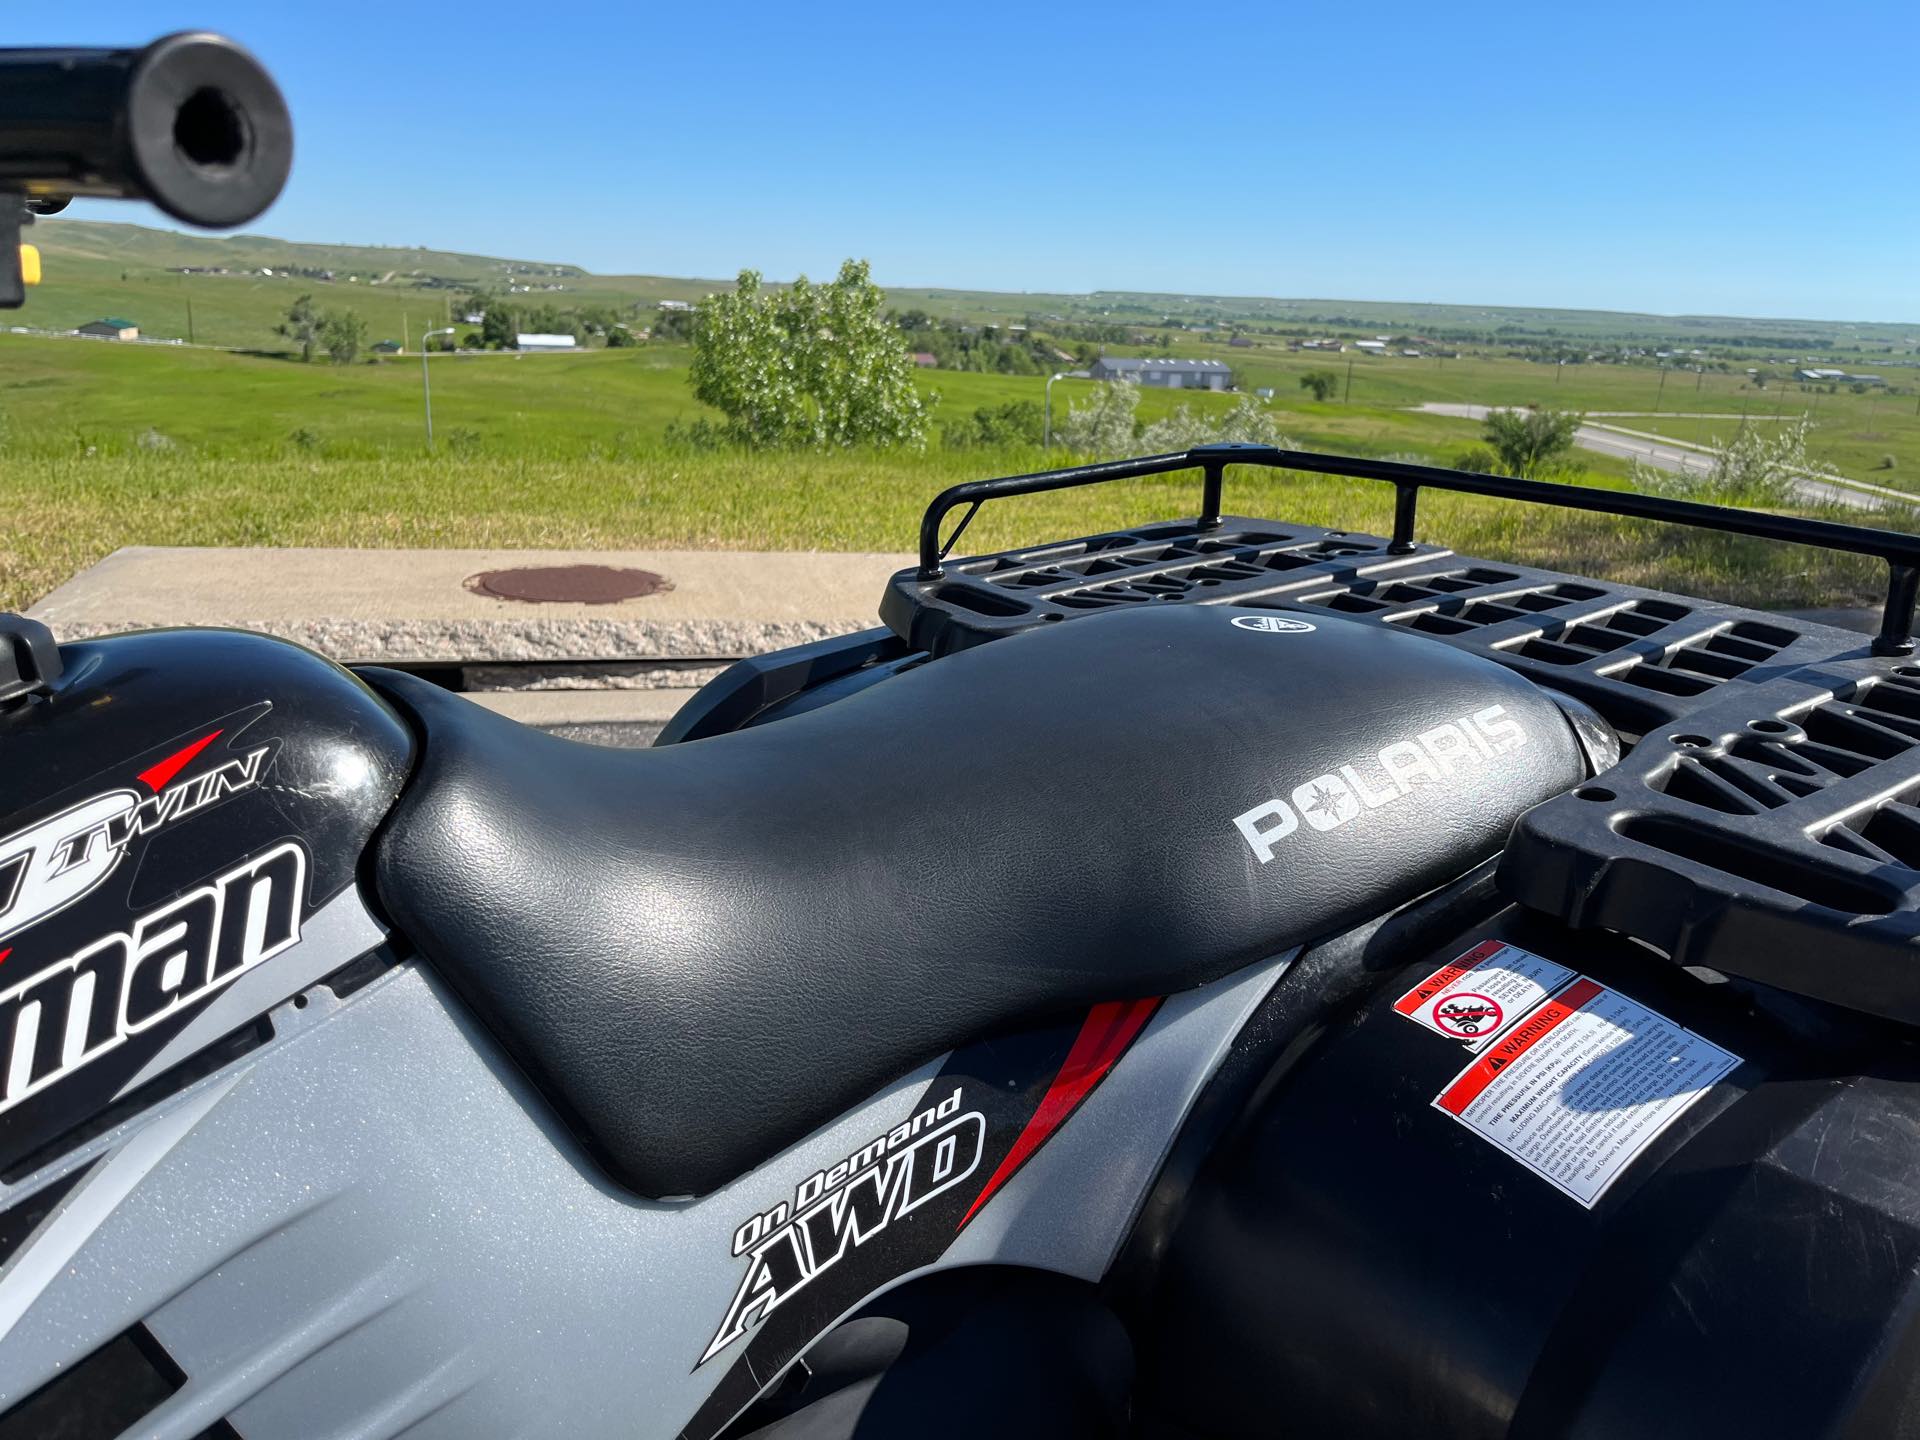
x,y
159,767
763,687
1774,833
1354,1262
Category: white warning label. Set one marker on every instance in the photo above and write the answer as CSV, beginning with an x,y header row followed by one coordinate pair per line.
x,y
1579,1087
1483,992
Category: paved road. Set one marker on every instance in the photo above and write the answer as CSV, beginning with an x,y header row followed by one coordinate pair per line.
x,y
1678,456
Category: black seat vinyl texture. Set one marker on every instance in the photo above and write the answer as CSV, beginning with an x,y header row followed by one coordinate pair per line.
x,y
702,952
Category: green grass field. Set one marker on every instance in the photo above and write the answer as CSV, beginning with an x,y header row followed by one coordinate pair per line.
x,y
66,512
106,444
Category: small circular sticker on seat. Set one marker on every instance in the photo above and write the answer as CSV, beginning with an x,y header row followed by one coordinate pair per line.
x,y
1273,624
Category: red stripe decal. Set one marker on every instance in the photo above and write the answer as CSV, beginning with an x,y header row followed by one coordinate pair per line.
x,y
1105,1034
4,953
155,777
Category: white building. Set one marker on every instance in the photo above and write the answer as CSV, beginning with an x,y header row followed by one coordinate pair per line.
x,y
545,342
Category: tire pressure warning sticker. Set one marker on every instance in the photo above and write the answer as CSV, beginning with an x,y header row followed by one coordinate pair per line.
x,y
1483,993
1582,1085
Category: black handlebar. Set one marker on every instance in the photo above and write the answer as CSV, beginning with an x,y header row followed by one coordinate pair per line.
x,y
191,122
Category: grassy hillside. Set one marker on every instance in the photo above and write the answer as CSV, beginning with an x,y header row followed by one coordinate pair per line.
x,y
64,397
87,260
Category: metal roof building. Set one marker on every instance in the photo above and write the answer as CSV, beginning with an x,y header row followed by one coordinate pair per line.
x,y
1167,374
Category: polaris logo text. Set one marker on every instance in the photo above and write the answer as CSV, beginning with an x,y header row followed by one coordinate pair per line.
x,y
72,1013
49,865
1326,802
837,1210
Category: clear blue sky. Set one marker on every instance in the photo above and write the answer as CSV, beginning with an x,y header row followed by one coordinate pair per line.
x,y
1691,155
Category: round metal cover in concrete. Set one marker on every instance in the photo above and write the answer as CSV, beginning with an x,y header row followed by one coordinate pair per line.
x,y
569,584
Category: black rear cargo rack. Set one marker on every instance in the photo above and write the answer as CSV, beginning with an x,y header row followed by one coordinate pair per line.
x,y
1765,822
1899,550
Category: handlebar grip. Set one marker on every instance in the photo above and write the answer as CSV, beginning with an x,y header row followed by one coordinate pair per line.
x,y
191,122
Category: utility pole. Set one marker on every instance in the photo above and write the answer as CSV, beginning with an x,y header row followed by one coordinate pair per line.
x,y
1661,391
190,319
1349,391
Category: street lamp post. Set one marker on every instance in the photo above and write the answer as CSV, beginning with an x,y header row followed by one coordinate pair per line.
x,y
426,385
1046,441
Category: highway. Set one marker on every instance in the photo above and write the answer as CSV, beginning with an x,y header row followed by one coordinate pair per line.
x,y
1681,457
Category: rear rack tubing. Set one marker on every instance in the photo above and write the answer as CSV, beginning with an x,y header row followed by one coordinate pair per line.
x,y
1899,550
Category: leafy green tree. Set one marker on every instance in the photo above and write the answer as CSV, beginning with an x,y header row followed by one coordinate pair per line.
x,y
619,337
1249,422
812,366
1322,383
673,325
302,326
997,427
1753,468
1531,444
343,333
1105,425
499,330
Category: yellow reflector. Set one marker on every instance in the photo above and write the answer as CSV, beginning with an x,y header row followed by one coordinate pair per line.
x,y
30,264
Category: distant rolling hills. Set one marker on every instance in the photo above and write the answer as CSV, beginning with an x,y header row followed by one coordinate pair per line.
x,y
96,268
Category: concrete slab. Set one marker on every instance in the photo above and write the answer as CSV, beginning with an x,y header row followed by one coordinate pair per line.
x,y
413,606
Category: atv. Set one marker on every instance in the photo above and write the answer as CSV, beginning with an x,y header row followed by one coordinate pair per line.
x,y
1223,978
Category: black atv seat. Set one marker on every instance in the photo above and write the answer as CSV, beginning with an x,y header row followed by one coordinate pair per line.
x,y
704,951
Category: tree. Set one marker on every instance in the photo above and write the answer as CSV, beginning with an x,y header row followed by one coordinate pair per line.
x,y
673,325
499,330
1531,443
1753,468
1249,422
302,326
813,366
343,332
1322,383
1105,425
991,427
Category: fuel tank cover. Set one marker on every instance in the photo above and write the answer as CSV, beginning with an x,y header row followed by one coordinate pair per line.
x,y
176,808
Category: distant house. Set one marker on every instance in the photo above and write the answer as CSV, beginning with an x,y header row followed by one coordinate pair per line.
x,y
1165,374
676,305
387,347
113,327
472,317
924,360
1371,347
545,342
